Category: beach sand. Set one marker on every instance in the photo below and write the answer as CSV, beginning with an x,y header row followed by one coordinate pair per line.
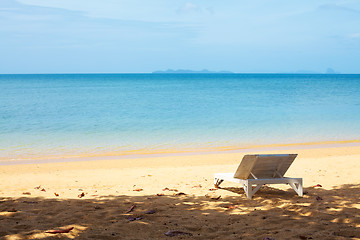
x,y
145,198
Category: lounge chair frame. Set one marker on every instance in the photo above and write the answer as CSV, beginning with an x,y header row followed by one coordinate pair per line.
x,y
251,165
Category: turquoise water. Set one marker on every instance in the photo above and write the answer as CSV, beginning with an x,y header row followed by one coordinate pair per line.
x,y
76,114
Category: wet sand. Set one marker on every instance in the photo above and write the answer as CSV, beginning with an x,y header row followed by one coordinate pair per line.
x,y
145,198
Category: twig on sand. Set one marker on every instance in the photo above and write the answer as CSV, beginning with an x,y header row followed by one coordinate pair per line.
x,y
170,189
138,190
317,185
60,231
131,208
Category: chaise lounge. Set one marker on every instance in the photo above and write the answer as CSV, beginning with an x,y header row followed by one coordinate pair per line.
x,y
262,169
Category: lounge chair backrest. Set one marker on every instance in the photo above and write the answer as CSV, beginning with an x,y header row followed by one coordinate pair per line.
x,y
264,166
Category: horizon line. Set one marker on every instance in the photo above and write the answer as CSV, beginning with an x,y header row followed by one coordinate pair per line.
x,y
195,72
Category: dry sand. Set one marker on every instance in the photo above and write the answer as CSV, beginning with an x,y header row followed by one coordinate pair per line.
x,y
145,198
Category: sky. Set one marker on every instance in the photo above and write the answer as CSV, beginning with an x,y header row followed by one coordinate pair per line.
x,y
140,36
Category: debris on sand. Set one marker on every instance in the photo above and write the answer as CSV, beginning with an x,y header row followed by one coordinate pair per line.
x,y
213,197
31,202
152,211
60,231
179,194
176,233
138,190
134,218
170,189
131,208
231,207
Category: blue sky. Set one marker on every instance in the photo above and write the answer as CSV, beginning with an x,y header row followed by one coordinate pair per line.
x,y
119,36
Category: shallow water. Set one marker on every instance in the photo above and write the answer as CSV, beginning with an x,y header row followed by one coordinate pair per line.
x,y
101,114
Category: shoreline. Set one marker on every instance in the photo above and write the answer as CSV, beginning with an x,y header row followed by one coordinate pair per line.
x,y
320,157
141,154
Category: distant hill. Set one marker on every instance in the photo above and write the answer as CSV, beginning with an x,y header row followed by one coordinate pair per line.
x,y
189,71
328,71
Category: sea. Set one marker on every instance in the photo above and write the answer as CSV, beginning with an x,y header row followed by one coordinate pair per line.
x,y
59,116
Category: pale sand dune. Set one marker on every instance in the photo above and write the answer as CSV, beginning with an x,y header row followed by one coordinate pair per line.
x,y
275,212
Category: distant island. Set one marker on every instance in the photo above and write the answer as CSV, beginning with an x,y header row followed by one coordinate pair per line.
x,y
189,71
328,71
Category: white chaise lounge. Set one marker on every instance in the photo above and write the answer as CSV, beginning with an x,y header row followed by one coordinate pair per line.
x,y
262,169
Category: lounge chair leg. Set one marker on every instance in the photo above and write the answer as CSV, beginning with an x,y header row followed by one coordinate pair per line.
x,y
217,182
297,186
256,188
247,188
249,191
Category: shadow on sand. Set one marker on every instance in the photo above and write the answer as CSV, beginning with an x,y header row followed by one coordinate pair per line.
x,y
272,213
